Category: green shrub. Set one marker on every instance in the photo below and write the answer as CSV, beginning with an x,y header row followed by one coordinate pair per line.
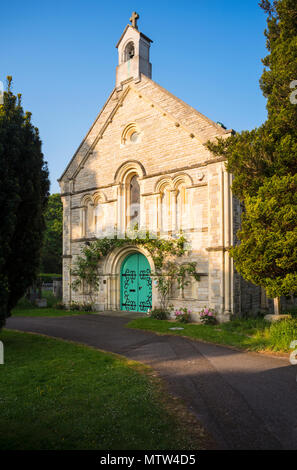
x,y
82,307
183,315
282,333
159,314
60,306
291,311
50,298
208,316
74,306
86,307
24,303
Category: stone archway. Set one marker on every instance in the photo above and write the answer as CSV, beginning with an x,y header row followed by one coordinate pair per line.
x,y
112,270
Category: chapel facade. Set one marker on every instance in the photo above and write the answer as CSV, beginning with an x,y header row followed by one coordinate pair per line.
x,y
144,161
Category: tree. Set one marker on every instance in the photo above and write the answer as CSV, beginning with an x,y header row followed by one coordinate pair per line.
x,y
265,160
270,149
267,254
51,254
24,188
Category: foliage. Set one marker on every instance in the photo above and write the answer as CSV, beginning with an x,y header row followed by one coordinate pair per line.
x,y
158,314
24,303
81,307
51,299
264,161
51,253
49,277
163,252
267,254
208,316
271,149
60,306
24,188
282,333
183,315
74,306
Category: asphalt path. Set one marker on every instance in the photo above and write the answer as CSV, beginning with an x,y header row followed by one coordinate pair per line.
x,y
245,400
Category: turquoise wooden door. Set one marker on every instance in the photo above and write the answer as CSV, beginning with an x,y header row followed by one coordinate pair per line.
x,y
136,284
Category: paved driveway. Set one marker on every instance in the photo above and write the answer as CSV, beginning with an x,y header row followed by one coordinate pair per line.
x,y
245,400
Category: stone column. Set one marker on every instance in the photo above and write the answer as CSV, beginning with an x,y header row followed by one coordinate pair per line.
x,y
121,213
215,249
142,206
67,256
227,242
83,221
159,212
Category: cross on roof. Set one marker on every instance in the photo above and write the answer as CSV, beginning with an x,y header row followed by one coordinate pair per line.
x,y
134,19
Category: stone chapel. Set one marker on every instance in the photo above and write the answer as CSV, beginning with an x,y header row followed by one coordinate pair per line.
x,y
146,150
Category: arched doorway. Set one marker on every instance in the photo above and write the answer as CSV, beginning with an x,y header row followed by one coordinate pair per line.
x,y
136,283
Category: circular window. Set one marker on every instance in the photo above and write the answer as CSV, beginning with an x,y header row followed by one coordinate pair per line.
x,y
134,137
131,133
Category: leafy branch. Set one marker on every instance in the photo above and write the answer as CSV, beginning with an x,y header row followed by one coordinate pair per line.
x,y
163,251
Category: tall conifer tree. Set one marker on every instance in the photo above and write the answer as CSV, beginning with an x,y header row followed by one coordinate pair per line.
x,y
24,189
264,164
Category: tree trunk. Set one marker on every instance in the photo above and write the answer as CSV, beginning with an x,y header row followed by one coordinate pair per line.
x,y
277,306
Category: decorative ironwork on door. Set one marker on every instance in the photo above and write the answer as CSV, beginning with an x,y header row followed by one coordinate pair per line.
x,y
136,284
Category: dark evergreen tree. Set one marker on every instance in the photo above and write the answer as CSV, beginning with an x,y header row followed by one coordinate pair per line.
x,y
24,189
267,254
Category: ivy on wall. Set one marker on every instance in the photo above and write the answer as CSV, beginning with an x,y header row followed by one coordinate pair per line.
x,y
163,251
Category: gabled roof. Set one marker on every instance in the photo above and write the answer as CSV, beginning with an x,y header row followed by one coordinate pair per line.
x,y
134,29
198,125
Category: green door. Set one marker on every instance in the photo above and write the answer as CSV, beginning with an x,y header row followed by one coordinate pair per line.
x,y
136,284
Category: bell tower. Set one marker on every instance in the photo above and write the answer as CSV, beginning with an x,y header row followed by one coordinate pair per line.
x,y
134,53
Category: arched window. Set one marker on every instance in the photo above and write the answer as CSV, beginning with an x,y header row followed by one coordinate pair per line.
x,y
90,218
87,214
133,201
165,209
99,219
131,133
129,51
181,207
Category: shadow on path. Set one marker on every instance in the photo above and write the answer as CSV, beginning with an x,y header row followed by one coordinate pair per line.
x,y
245,400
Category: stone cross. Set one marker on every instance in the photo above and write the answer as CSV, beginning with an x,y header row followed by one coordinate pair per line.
x,y
134,19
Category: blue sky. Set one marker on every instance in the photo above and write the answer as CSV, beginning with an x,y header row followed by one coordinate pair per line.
x,y
62,57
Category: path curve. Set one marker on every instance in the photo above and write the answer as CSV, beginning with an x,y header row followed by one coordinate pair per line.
x,y
245,400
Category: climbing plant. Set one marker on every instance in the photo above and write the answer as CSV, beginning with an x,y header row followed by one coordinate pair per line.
x,y
164,252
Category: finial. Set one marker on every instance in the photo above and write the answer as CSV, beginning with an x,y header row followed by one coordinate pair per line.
x,y
134,19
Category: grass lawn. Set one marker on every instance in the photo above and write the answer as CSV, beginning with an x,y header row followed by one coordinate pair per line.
x,y
24,308
57,395
44,312
253,334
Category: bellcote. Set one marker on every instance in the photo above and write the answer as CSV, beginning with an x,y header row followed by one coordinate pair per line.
x,y
134,53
